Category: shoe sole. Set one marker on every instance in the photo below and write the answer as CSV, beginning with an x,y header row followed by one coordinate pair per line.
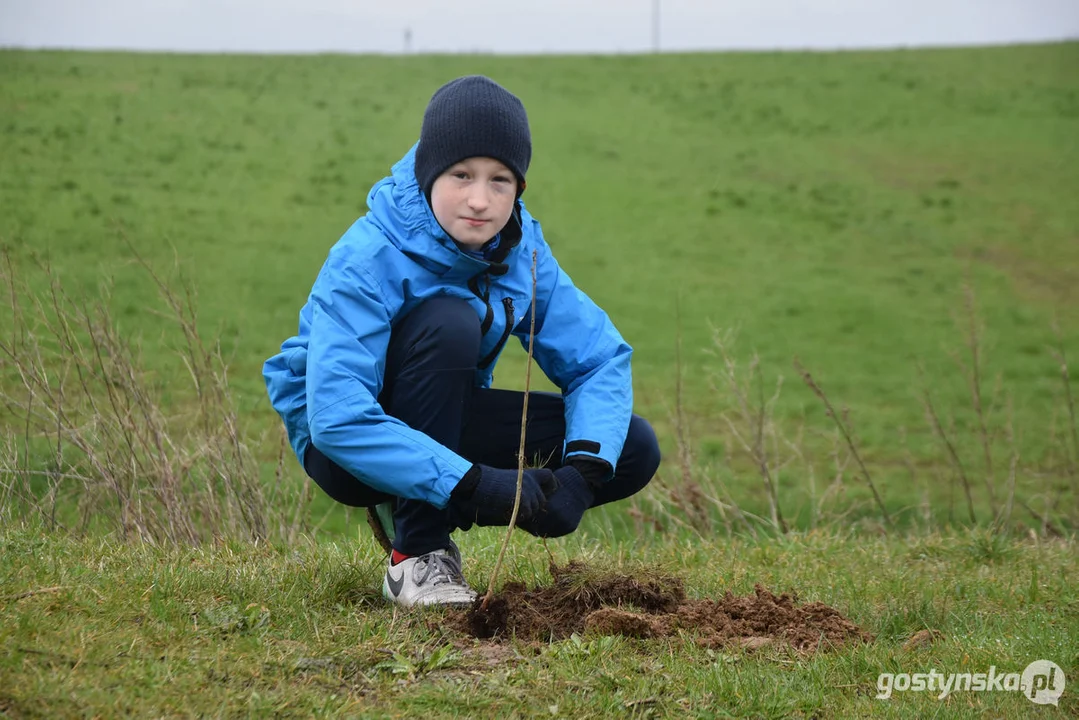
x,y
452,603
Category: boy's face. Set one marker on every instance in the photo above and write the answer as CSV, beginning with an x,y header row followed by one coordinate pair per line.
x,y
473,200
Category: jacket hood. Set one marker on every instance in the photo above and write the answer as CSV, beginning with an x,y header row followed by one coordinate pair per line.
x,y
398,205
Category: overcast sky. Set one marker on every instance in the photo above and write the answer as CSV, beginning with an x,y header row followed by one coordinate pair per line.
x,y
526,26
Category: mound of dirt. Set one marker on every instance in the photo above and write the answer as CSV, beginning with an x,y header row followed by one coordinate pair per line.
x,y
580,600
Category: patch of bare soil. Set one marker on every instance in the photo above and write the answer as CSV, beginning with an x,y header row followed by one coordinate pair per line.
x,y
581,600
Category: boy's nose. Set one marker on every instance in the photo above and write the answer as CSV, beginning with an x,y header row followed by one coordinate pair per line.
x,y
477,200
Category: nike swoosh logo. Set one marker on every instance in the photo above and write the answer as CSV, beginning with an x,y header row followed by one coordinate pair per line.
x,y
395,584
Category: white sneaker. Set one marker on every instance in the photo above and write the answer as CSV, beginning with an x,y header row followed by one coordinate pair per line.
x,y
431,579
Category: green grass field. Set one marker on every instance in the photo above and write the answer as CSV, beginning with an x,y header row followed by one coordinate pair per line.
x,y
245,631
831,207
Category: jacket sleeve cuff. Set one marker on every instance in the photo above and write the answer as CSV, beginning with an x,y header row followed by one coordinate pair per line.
x,y
466,488
452,474
595,471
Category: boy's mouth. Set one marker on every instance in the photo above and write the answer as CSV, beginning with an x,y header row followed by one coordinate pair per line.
x,y
474,222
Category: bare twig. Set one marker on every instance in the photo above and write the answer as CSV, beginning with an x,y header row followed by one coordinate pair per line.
x,y
846,436
73,662
974,380
934,421
520,450
754,416
912,478
1048,528
1065,378
687,496
681,435
759,449
1005,517
38,591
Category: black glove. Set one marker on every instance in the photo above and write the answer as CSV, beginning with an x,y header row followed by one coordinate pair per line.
x,y
577,483
485,495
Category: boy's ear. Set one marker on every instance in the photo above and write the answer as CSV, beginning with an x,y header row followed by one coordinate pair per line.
x,y
521,185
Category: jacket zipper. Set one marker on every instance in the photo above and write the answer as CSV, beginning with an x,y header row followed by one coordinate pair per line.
x,y
489,316
507,303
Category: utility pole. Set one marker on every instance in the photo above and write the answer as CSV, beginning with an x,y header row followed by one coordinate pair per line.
x,y
655,26
408,40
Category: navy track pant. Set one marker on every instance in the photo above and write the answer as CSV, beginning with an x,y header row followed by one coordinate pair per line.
x,y
429,385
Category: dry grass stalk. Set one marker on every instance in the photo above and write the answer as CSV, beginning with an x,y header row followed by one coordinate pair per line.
x,y
77,386
520,449
687,496
755,416
973,374
924,506
760,449
1003,521
938,429
840,461
1069,401
842,427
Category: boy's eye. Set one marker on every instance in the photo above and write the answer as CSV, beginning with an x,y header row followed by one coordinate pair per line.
x,y
501,179
461,175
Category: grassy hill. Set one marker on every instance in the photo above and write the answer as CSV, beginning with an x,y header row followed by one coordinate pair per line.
x,y
828,206
858,211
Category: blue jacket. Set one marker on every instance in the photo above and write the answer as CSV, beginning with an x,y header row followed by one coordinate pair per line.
x,y
326,380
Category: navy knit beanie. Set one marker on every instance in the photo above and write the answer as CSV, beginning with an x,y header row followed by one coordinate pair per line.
x,y
473,116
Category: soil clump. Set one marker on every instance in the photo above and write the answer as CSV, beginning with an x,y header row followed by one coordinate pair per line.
x,y
581,600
